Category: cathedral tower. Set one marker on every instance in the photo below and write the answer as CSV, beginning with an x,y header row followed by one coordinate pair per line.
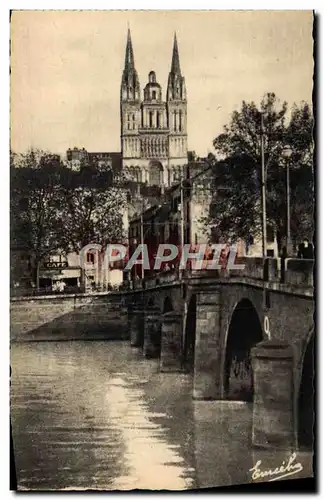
x,y
177,109
153,131
130,105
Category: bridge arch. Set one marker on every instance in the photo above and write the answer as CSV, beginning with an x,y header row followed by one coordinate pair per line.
x,y
244,332
190,335
305,403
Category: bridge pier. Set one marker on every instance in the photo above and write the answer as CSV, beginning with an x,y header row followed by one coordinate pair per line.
x,y
152,333
136,324
207,351
171,342
273,407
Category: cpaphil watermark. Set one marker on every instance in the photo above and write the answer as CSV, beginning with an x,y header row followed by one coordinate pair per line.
x,y
216,256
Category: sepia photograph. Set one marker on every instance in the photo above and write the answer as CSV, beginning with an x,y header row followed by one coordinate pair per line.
x,y
162,249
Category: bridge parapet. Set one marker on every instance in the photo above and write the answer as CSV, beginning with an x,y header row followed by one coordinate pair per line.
x,y
276,272
167,277
138,284
254,268
272,270
299,272
151,282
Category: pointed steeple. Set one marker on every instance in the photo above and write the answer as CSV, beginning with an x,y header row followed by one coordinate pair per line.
x,y
176,89
175,65
130,87
129,55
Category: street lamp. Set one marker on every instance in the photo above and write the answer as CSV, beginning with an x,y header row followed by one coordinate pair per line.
x,y
263,193
182,236
287,152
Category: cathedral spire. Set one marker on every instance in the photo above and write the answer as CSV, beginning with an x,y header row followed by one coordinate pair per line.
x,y
175,65
129,55
130,87
176,83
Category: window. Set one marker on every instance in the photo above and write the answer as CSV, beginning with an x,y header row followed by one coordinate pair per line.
x,y
90,258
151,119
158,119
177,174
154,94
155,173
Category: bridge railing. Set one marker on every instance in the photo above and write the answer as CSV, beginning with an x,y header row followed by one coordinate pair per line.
x,y
167,277
254,268
295,272
299,272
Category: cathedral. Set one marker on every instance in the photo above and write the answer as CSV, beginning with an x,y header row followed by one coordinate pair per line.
x,y
153,130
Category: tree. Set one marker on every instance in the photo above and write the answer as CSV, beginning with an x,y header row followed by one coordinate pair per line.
x,y
36,206
55,209
236,207
300,139
94,210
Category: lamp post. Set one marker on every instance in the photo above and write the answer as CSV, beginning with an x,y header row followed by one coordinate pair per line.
x,y
287,152
144,233
142,242
181,212
263,193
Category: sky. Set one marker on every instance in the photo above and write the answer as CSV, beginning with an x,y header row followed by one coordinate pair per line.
x,y
66,69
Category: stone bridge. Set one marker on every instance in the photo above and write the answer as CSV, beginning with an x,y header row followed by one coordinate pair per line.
x,y
245,334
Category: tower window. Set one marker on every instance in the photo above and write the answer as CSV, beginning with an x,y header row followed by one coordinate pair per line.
x,y
158,120
151,119
154,94
175,121
152,77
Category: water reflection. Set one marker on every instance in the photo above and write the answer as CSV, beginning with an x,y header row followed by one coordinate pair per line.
x,y
97,415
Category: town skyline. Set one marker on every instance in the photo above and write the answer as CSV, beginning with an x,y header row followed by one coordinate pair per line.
x,y
65,85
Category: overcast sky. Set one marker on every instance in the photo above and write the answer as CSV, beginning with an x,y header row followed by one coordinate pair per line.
x,y
66,69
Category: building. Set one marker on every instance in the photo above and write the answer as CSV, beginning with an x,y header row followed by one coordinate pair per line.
x,y
59,268
178,218
78,156
66,268
153,130
175,217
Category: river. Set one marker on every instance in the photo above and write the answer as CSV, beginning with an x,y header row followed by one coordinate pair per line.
x,y
97,415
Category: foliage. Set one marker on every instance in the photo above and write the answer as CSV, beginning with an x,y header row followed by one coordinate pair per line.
x,y
36,204
93,216
236,207
55,209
